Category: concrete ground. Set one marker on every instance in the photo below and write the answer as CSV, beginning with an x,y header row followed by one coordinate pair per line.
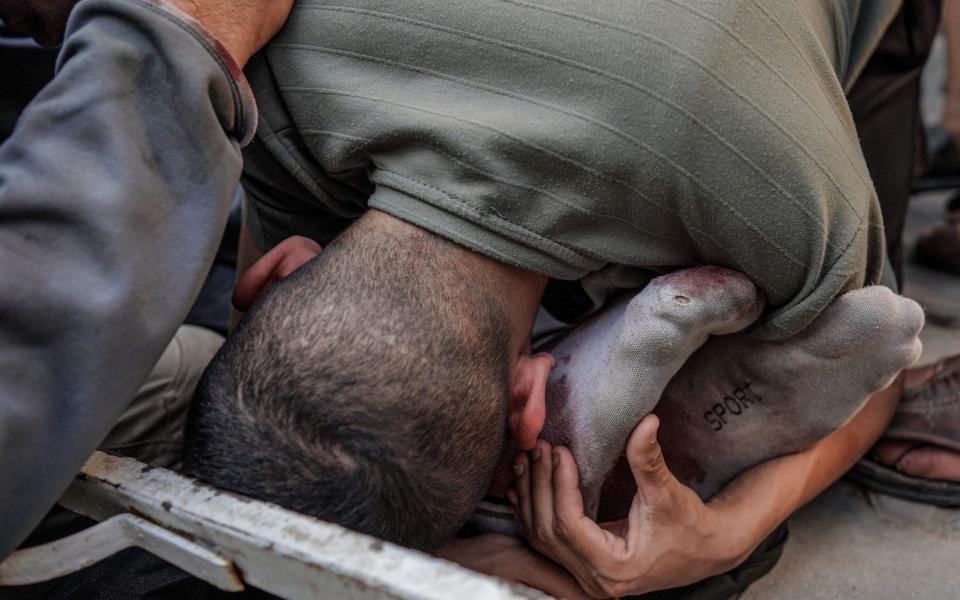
x,y
855,545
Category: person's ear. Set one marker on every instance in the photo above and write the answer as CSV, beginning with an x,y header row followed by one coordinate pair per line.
x,y
528,398
288,256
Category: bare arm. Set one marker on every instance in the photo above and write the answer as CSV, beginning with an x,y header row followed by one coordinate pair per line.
x,y
509,558
671,538
756,502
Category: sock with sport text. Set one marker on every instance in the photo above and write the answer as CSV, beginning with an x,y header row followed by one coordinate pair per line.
x,y
740,401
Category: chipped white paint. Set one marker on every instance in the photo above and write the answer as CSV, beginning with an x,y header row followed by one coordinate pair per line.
x,y
70,554
276,550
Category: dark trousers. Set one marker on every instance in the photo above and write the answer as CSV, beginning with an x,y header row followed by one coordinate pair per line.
x,y
885,103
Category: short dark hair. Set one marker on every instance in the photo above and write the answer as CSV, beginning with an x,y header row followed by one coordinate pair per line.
x,y
368,389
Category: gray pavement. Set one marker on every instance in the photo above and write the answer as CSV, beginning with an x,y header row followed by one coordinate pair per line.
x,y
856,545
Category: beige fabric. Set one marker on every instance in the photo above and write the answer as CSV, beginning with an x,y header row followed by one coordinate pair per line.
x,y
151,428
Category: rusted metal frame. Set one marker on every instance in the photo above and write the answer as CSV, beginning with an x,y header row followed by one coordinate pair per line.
x,y
276,550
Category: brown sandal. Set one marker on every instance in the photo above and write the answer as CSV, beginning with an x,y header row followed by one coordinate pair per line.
x,y
928,415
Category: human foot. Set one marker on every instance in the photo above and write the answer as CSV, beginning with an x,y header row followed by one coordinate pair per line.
x,y
612,370
740,401
923,440
919,460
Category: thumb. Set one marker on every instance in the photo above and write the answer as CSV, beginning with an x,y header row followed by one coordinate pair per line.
x,y
646,459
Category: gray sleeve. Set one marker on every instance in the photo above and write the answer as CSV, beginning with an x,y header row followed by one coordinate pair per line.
x,y
114,191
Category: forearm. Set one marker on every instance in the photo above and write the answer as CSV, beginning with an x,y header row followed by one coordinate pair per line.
x,y
755,503
509,558
114,191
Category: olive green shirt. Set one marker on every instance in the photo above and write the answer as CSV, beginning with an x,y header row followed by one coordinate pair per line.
x,y
595,141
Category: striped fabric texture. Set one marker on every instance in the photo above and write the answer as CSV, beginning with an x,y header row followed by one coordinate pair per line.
x,y
594,140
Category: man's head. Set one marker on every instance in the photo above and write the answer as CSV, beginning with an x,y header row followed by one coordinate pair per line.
x,y
372,387
43,20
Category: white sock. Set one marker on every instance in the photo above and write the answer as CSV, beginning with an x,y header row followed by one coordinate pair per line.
x,y
612,370
740,401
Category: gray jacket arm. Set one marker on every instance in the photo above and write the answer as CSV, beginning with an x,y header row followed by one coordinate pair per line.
x,y
114,191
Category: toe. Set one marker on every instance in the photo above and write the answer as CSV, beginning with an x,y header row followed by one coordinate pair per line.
x,y
715,299
931,462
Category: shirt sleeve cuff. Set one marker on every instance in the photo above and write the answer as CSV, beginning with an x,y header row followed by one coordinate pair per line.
x,y
240,119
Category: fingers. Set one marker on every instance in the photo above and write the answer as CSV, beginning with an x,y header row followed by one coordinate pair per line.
x,y
520,495
567,497
548,501
541,472
534,494
572,527
646,457
658,491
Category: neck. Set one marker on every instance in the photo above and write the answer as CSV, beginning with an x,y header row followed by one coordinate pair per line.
x,y
518,291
